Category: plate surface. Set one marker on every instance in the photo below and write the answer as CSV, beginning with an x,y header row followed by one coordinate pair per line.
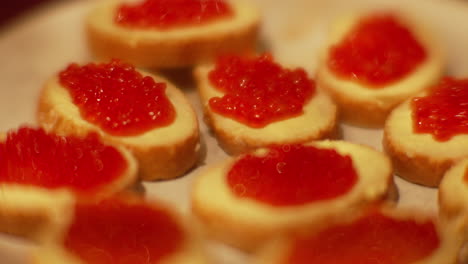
x,y
36,47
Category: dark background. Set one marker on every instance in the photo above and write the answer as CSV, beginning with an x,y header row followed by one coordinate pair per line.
x,y
10,9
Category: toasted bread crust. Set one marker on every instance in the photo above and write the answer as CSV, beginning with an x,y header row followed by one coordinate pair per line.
x,y
215,224
235,137
419,169
419,158
247,224
453,194
166,49
24,224
354,111
233,144
162,153
250,236
369,107
168,162
30,212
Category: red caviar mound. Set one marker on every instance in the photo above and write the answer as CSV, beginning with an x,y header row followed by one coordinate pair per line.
x,y
167,14
374,238
258,91
115,231
444,112
292,175
33,157
118,98
379,50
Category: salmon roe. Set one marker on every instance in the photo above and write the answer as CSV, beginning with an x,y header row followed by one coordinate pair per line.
x,y
374,238
32,157
118,232
292,175
377,51
258,91
117,98
444,111
168,14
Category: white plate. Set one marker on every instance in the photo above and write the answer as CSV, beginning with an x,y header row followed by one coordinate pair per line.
x,y
41,44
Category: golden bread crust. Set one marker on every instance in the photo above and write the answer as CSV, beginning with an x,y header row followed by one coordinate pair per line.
x,y
277,251
24,224
30,212
358,112
319,121
172,48
419,169
453,194
162,153
419,158
246,223
367,106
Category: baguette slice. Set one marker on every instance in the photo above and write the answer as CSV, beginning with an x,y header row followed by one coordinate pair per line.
x,y
53,250
453,193
366,106
419,158
178,47
280,250
453,197
318,121
29,210
162,153
247,223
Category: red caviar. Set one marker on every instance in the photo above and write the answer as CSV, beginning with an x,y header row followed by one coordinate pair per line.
x,y
118,232
444,111
379,50
292,175
33,157
374,238
257,91
167,14
118,98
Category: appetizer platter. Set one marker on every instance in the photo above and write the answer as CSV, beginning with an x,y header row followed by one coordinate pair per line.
x,y
37,55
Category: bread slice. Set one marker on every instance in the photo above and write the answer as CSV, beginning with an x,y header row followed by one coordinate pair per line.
x,y
453,193
177,47
279,250
247,223
52,250
366,106
453,197
30,210
318,121
162,153
419,158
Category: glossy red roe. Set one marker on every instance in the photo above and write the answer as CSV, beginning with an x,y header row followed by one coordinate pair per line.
x,y
118,232
444,111
379,50
117,98
32,157
168,14
292,175
372,239
258,91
